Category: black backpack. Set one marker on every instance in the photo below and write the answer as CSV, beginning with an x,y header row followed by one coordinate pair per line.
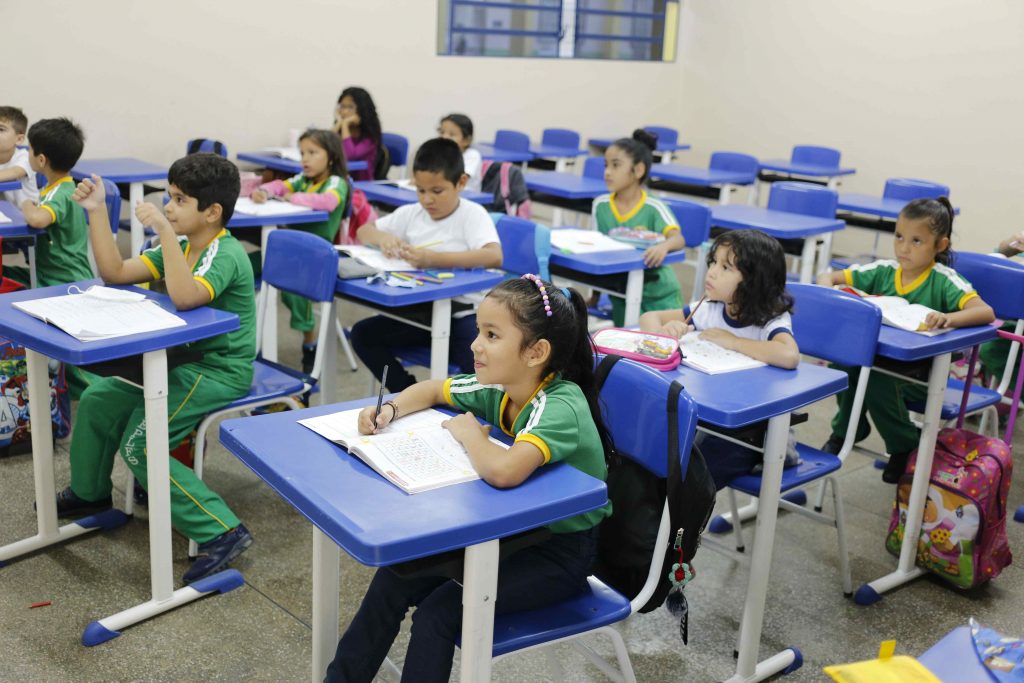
x,y
505,182
629,535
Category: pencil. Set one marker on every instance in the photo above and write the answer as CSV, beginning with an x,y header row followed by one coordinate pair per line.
x,y
690,317
403,276
429,278
429,244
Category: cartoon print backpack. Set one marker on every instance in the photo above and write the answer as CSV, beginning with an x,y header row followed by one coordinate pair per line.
x,y
15,430
963,533
505,181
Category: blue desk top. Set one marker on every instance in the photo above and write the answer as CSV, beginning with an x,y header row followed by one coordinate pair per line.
x,y
809,170
464,282
271,160
873,206
778,224
735,399
119,170
565,185
660,146
608,262
386,192
490,152
542,151
247,220
902,345
703,177
17,227
954,659
9,185
33,333
376,522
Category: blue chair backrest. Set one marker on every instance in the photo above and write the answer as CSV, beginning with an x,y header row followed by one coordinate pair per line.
x,y
593,167
113,202
834,325
634,391
736,162
666,135
301,263
911,188
999,281
525,246
206,145
816,156
398,148
560,137
694,220
805,198
512,140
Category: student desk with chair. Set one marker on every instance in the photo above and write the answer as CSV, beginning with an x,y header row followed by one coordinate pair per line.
x,y
388,193
275,162
666,146
693,180
795,169
42,342
376,523
565,190
17,230
122,170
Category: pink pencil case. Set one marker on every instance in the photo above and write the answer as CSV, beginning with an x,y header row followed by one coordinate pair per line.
x,y
659,351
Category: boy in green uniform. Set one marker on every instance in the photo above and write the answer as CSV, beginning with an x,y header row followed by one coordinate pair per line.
x,y
202,265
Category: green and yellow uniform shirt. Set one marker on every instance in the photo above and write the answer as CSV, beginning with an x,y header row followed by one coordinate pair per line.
x,y
62,250
223,268
556,420
940,287
334,185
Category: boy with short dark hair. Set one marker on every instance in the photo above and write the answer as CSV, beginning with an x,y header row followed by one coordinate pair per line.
x,y
202,264
441,231
62,250
14,163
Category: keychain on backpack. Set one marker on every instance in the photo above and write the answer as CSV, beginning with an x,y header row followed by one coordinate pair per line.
x,y
680,575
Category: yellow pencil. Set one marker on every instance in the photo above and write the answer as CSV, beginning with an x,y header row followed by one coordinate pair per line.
x,y
429,244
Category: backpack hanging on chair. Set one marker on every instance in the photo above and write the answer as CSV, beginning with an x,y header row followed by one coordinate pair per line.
x,y
505,181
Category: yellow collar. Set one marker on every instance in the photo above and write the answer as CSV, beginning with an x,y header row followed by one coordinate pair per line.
x,y
913,285
504,402
632,212
188,245
55,183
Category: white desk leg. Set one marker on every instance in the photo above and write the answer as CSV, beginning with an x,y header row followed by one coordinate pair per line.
x,y
138,234
723,194
905,570
807,260
634,294
32,281
825,253
329,356
747,668
440,332
326,574
479,590
269,332
700,270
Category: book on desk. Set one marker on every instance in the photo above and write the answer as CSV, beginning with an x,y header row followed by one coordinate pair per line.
x,y
898,312
712,359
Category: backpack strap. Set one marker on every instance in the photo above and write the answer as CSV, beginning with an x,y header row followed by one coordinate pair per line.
x,y
506,192
194,145
218,148
602,370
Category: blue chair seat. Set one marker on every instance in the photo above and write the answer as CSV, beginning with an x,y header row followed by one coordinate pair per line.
x,y
269,381
595,608
980,397
816,464
420,355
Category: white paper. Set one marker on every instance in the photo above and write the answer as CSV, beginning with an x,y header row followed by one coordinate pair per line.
x,y
708,357
90,318
898,312
374,258
577,241
3,218
268,208
290,153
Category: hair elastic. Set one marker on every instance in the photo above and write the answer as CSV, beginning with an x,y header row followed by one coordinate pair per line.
x,y
565,291
543,291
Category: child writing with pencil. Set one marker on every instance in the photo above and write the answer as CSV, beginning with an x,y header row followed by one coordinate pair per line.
x,y
627,168
534,379
322,185
921,275
441,231
745,308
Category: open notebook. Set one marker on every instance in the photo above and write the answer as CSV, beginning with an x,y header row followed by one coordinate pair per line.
x,y
577,241
415,453
101,313
374,258
898,312
268,208
710,358
3,218
290,153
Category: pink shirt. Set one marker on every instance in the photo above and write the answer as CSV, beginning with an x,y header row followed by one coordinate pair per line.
x,y
361,149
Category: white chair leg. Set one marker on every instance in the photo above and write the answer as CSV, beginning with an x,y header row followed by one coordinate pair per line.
x,y
345,346
820,502
737,525
197,466
621,654
129,494
554,664
840,518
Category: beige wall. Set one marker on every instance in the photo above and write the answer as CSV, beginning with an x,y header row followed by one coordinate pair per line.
x,y
925,88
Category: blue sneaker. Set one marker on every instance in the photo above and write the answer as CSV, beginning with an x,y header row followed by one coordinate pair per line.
x,y
216,554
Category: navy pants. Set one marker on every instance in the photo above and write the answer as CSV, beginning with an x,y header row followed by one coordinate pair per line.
x,y
534,577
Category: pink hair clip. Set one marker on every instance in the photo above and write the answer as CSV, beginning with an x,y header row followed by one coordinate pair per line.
x,y
543,291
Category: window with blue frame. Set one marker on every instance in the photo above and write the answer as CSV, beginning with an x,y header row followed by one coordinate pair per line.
x,y
640,30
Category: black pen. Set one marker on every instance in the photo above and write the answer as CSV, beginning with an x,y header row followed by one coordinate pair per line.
x,y
380,396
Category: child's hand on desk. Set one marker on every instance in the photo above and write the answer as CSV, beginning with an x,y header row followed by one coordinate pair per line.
x,y
676,328
465,428
654,256
366,424
150,215
936,320
724,338
90,194
418,258
391,245
259,196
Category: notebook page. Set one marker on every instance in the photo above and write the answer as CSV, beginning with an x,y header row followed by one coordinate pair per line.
x,y
3,218
290,153
711,358
269,208
375,258
577,241
898,312
88,318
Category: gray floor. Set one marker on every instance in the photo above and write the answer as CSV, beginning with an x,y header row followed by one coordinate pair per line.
x,y
261,631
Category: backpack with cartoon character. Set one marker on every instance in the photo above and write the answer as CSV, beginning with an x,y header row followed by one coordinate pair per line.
x,y
963,531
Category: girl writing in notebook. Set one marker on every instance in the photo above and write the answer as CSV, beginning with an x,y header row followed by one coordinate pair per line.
x,y
357,124
920,273
322,185
746,309
534,380
627,168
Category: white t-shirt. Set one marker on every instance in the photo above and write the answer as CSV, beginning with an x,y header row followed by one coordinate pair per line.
x,y
712,315
466,228
472,160
29,189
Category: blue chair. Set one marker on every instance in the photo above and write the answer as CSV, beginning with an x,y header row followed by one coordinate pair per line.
x,y
738,163
206,145
807,199
593,167
560,137
630,389
667,139
398,150
821,316
815,156
909,189
113,202
695,223
512,140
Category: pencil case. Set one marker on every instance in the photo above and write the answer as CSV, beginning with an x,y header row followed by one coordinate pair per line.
x,y
637,237
659,351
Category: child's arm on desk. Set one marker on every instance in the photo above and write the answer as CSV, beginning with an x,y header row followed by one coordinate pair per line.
x,y
975,312
12,173
36,216
655,256
487,256
372,236
114,270
780,351
831,278
669,322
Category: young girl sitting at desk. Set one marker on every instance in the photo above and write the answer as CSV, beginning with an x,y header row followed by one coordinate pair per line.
x,y
322,185
627,168
746,309
459,129
921,275
534,379
356,122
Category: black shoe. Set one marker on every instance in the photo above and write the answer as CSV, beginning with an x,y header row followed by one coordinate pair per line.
x,y
895,468
834,444
71,506
216,554
140,495
308,356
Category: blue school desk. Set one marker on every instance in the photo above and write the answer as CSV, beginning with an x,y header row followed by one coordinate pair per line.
x,y
272,161
564,190
583,268
830,175
705,177
10,185
666,149
386,192
736,399
384,298
781,225
43,341
491,153
18,230
124,170
900,345
561,155
375,522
